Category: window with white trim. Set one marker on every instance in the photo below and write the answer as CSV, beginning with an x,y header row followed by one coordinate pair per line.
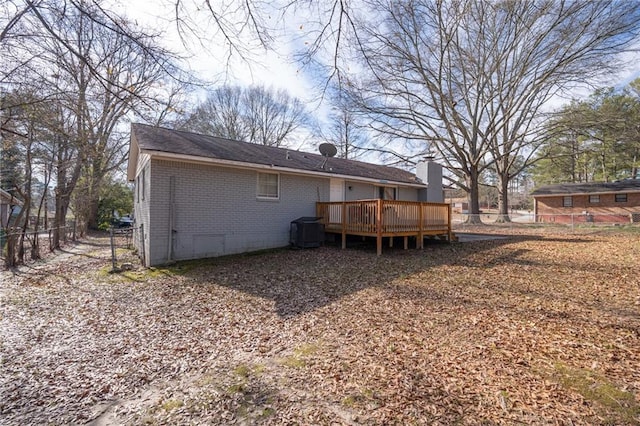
x,y
268,186
594,199
567,201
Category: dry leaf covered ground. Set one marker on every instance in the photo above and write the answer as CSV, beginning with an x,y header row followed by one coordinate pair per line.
x,y
538,328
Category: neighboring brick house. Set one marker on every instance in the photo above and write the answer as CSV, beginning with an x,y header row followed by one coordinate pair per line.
x,y
614,202
200,196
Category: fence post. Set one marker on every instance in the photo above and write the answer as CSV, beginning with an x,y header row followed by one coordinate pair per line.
x,y
344,225
421,226
379,219
141,244
113,251
572,224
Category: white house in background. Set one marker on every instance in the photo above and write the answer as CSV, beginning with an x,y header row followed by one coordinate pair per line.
x,y
200,196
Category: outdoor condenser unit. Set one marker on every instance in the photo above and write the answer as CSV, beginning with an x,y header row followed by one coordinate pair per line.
x,y
306,231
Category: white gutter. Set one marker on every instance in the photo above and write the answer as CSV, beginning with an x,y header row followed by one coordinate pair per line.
x,y
242,165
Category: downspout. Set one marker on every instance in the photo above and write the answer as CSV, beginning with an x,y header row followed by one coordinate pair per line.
x,y
172,190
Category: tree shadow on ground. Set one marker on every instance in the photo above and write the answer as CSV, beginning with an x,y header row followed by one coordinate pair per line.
x,y
300,281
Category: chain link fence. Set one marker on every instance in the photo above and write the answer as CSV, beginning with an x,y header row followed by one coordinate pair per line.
x,y
523,219
33,244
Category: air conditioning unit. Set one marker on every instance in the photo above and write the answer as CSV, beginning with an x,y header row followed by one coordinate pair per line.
x,y
306,232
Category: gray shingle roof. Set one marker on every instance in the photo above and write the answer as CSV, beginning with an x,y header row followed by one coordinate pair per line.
x,y
627,185
179,142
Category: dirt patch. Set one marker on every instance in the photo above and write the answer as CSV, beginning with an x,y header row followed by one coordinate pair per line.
x,y
533,329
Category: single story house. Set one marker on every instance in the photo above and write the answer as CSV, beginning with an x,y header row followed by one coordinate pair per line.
x,y
613,202
200,196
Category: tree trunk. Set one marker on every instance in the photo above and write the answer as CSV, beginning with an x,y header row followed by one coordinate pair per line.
x,y
473,196
503,200
93,196
59,231
23,230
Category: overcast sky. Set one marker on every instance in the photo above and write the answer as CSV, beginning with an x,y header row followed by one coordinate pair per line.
x,y
276,67
208,54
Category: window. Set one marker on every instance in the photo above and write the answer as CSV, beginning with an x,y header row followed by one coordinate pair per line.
x,y
594,199
621,198
268,185
567,201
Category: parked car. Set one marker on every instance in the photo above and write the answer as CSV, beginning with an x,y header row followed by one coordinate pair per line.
x,y
123,222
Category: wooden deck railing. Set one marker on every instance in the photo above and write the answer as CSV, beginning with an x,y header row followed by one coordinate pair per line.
x,y
386,218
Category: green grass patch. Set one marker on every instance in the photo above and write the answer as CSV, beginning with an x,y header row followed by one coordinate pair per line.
x,y
242,371
351,400
293,362
363,398
598,389
171,404
244,374
267,412
138,275
237,388
306,349
297,360
183,267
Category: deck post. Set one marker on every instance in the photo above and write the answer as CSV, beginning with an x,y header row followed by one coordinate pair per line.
x,y
420,242
379,227
449,223
344,225
406,242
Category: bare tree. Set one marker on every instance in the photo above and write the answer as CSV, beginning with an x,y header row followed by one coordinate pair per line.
x,y
256,115
272,116
95,71
470,78
23,164
220,114
344,129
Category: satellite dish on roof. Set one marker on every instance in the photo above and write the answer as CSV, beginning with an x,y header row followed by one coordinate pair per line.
x,y
328,149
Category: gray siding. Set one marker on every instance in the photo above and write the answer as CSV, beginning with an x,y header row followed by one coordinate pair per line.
x,y
365,191
407,194
359,191
216,211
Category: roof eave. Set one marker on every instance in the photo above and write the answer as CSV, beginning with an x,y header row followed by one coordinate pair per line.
x,y
245,165
567,194
133,157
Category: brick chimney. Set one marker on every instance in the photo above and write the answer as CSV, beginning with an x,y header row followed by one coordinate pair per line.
x,y
430,172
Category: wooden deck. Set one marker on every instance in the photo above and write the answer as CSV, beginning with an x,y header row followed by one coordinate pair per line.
x,y
386,218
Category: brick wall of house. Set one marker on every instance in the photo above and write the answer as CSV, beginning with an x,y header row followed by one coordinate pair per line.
x,y
550,209
217,212
141,209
